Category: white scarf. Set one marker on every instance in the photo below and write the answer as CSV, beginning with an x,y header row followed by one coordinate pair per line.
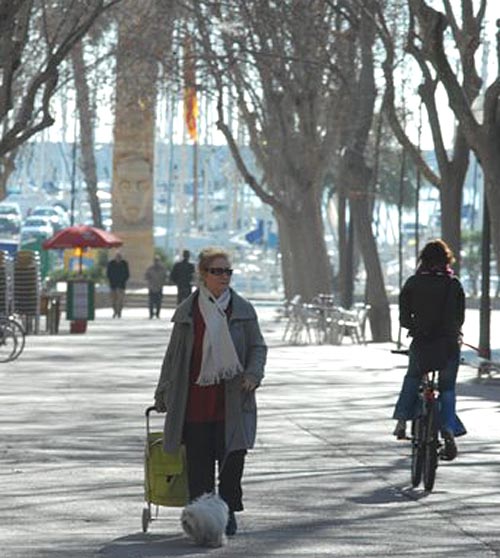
x,y
219,361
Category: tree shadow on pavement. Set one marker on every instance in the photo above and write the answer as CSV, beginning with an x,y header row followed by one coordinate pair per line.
x,y
151,546
390,495
488,389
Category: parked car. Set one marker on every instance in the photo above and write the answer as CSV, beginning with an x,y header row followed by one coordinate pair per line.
x,y
56,214
36,227
10,218
39,221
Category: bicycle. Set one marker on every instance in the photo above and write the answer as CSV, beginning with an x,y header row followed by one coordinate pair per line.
x,y
425,441
12,338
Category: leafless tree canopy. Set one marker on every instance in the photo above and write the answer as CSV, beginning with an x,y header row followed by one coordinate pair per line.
x,y
36,36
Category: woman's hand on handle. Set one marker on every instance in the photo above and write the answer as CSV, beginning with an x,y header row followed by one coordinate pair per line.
x,y
248,385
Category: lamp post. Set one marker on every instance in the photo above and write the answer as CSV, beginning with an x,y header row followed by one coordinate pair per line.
x,y
73,174
485,304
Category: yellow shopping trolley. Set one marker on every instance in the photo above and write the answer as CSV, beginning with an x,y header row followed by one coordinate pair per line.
x,y
165,475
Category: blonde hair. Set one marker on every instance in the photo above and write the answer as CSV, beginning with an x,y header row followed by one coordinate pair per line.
x,y
207,256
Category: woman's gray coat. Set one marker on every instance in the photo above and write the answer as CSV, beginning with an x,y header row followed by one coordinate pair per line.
x,y
173,385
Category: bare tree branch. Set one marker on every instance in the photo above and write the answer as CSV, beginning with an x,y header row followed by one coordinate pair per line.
x,y
389,102
432,25
235,151
31,112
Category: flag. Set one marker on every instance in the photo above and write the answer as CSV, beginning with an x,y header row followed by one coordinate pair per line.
x,y
190,100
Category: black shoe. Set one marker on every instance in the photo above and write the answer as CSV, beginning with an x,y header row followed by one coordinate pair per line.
x,y
231,526
400,430
449,452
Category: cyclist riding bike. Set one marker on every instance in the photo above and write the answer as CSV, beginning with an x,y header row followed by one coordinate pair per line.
x,y
432,308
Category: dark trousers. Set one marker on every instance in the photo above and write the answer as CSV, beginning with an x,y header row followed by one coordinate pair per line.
x,y
155,299
407,403
204,447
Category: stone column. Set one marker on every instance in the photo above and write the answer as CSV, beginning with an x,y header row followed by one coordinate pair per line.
x,y
133,155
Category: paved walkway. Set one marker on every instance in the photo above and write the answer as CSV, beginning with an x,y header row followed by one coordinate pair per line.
x,y
326,477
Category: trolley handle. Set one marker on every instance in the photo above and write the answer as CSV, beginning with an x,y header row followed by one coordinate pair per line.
x,y
147,413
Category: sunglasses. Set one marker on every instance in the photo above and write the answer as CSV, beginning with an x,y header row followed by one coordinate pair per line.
x,y
220,271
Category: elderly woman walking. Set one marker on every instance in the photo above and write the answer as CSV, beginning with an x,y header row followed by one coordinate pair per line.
x,y
213,365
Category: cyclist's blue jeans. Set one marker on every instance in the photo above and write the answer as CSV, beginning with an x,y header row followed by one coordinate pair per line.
x,y
407,405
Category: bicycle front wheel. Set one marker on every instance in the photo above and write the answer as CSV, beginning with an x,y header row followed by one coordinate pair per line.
x,y
417,451
431,446
20,334
8,343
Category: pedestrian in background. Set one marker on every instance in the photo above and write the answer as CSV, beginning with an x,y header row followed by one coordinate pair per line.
x,y
117,273
432,308
182,275
214,363
155,275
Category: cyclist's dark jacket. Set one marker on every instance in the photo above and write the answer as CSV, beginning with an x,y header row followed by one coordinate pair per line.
x,y
427,308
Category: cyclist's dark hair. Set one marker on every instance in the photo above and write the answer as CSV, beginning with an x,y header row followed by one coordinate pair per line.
x,y
436,253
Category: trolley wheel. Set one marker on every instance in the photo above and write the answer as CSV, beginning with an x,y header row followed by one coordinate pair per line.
x,y
146,519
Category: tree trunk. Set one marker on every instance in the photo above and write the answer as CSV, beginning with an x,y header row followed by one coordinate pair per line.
x,y
86,119
305,264
7,167
379,316
450,195
355,175
491,182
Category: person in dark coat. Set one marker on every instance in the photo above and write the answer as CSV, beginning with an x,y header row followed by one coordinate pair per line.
x,y
431,306
118,274
182,275
212,367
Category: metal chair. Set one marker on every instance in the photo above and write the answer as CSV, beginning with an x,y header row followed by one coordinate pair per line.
x,y
353,322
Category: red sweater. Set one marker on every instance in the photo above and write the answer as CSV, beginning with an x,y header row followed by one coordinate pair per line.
x,y
205,403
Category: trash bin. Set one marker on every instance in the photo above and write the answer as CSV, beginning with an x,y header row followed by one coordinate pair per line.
x,y
78,326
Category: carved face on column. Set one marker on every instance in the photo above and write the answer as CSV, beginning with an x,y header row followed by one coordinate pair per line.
x,y
134,190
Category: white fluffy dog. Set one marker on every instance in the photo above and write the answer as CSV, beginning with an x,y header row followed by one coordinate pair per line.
x,y
205,520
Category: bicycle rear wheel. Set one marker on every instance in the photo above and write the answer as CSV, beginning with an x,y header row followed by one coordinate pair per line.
x,y
417,451
431,446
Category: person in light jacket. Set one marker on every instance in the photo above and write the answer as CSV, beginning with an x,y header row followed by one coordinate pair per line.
x,y
212,367
155,275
